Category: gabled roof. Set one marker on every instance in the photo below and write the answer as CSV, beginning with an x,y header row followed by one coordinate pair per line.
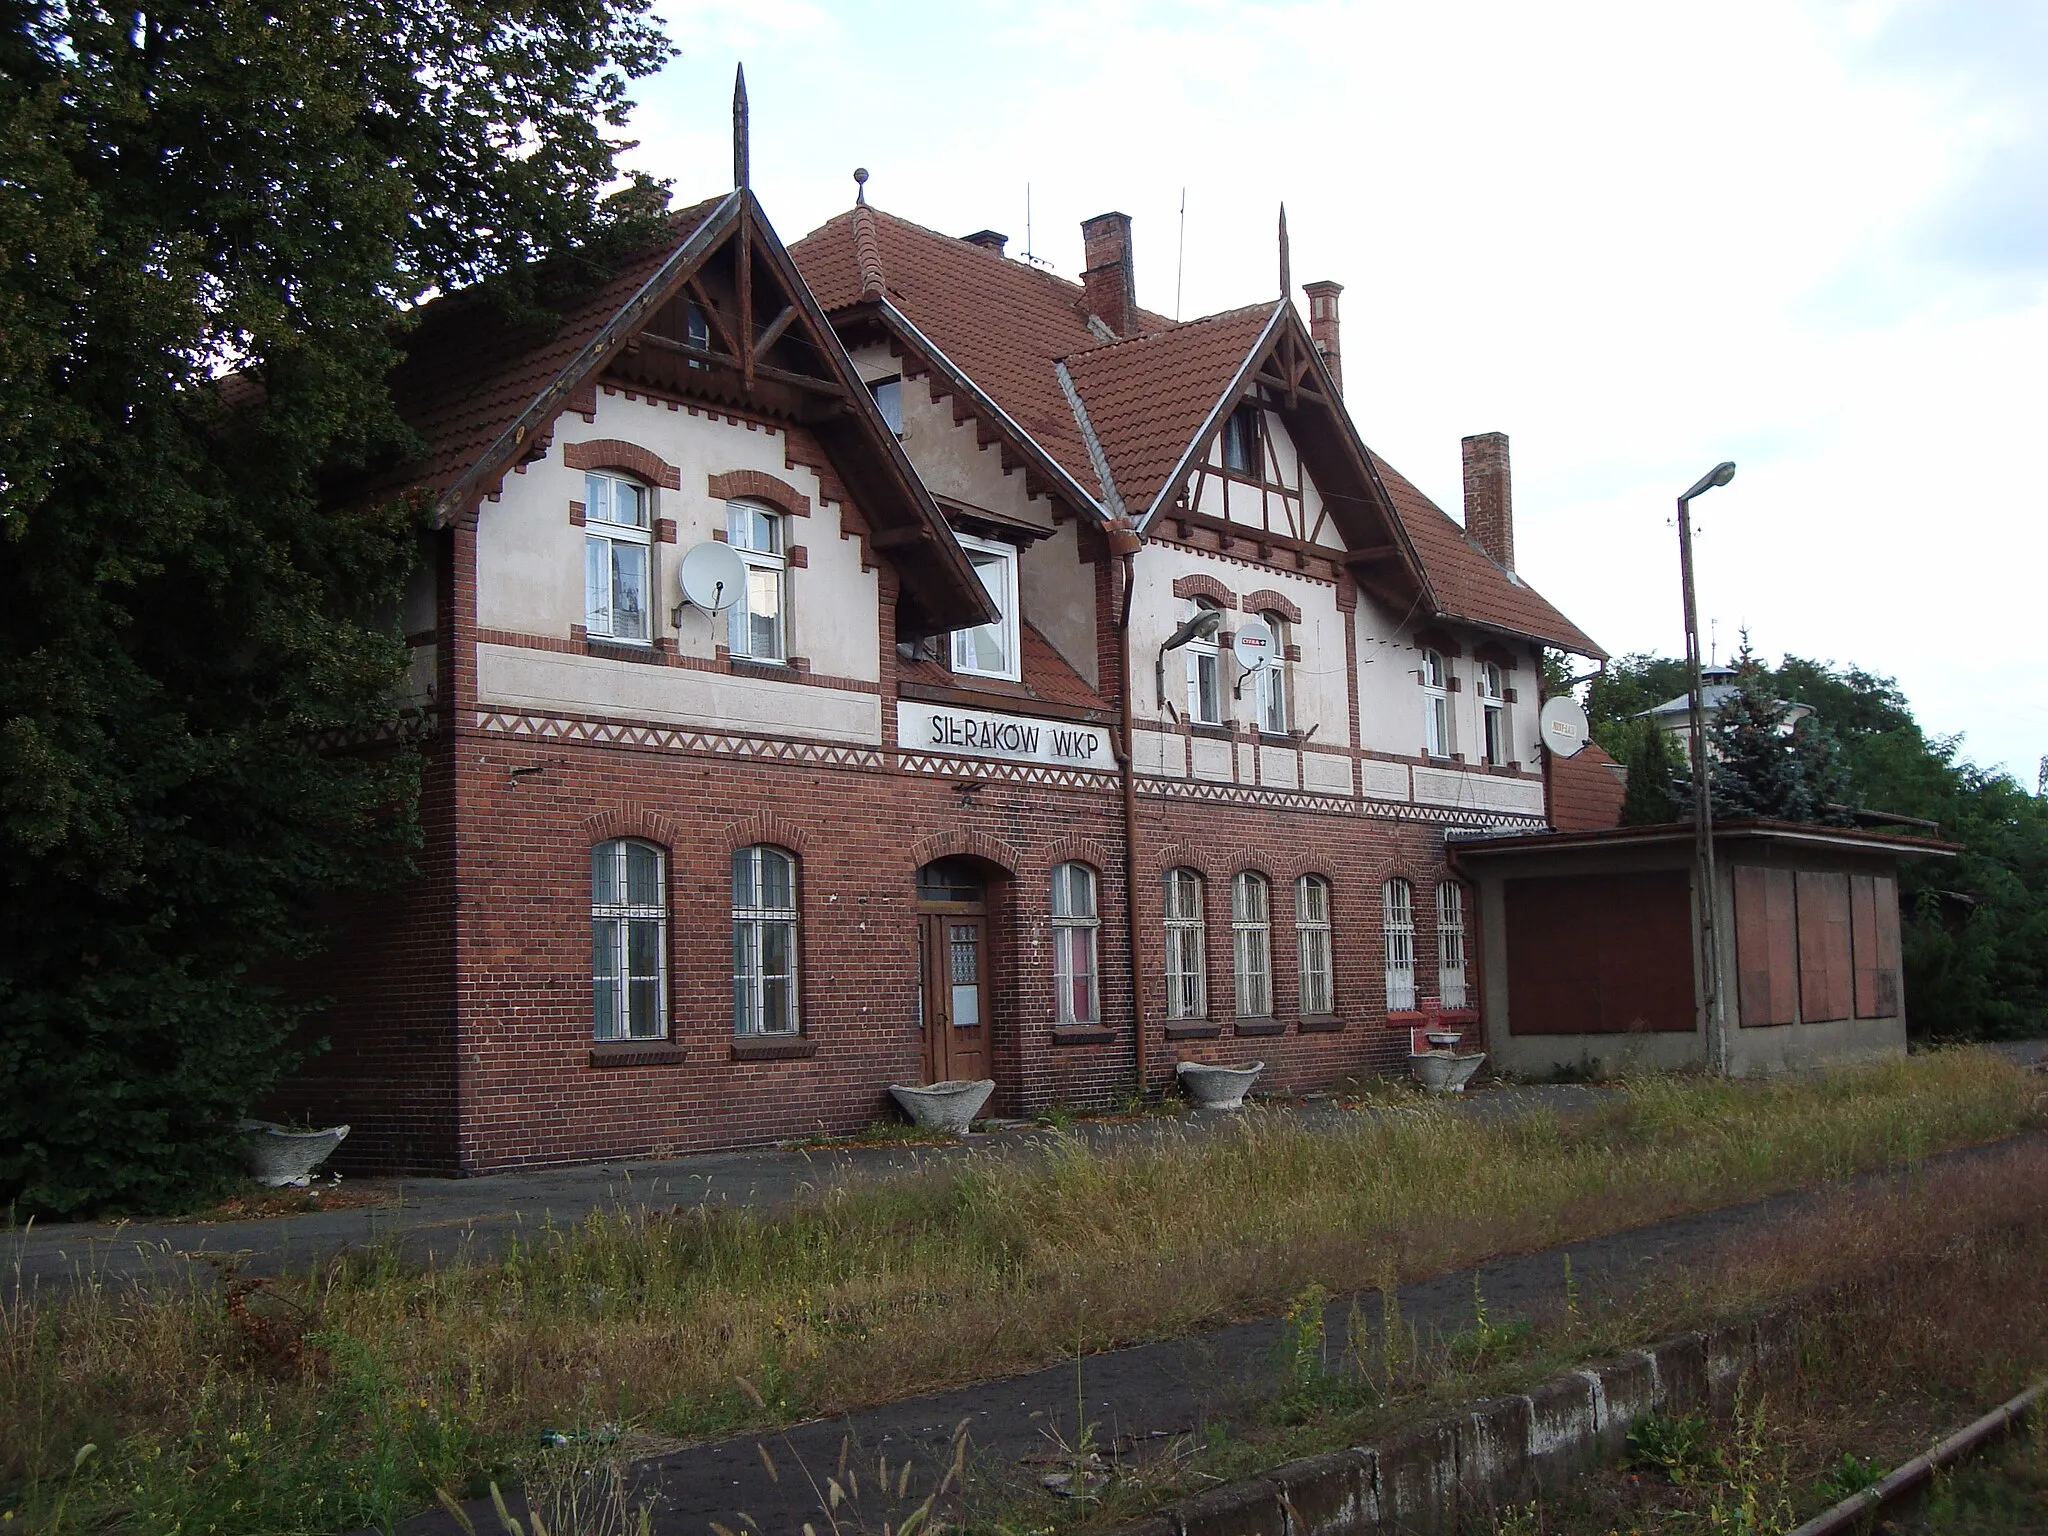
x,y
1130,415
484,394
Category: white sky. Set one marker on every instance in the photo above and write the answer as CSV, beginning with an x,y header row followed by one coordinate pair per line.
x,y
1637,237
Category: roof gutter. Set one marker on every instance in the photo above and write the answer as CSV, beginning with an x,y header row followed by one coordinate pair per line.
x,y
958,378
625,323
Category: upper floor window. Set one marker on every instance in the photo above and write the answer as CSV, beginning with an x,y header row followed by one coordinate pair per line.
x,y
1398,915
1076,995
628,941
1450,944
1271,684
763,941
1241,440
1251,931
1493,710
617,548
756,625
698,329
888,395
1205,672
1312,943
1436,705
1187,947
991,650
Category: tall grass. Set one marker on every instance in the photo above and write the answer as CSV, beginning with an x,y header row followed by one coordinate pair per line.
x,y
347,1395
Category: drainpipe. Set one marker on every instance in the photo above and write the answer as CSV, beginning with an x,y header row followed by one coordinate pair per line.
x,y
1125,542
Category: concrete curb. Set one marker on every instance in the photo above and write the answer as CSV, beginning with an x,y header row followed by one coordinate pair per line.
x,y
1436,1476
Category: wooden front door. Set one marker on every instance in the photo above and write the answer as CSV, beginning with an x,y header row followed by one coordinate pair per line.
x,y
956,997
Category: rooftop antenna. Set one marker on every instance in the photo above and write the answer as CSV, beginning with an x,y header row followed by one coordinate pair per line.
x,y
1027,223
1713,642
1180,256
740,169
1286,275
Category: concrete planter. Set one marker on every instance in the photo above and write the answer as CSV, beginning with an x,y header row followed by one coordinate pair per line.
x,y
278,1155
1444,1071
1213,1087
948,1107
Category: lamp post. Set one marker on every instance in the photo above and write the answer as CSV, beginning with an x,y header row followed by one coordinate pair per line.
x,y
1706,940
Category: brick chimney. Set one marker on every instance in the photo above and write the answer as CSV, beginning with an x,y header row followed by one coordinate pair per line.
x,y
988,240
1489,504
1322,323
1112,287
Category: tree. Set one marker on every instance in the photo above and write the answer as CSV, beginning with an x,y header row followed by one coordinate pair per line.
x,y
1652,795
214,217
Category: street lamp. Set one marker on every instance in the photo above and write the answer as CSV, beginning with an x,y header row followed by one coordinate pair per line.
x,y
1705,930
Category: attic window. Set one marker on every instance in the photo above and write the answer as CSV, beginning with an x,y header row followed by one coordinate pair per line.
x,y
990,650
1241,440
696,325
888,395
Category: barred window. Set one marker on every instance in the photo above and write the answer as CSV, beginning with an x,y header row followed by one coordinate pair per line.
x,y
1077,996
1450,944
1399,901
1187,947
764,970
1252,944
628,941
1312,943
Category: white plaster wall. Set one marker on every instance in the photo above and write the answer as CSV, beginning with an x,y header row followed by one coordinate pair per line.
x,y
1241,503
1389,695
1057,591
1326,772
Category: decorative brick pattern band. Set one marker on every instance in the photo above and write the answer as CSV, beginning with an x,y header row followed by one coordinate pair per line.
x,y
630,458
759,486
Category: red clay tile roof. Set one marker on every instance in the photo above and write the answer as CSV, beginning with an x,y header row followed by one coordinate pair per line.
x,y
1468,584
1148,397
1046,676
1586,791
468,375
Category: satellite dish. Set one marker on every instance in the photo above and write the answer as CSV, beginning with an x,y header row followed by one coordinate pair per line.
x,y
1253,644
1562,726
713,576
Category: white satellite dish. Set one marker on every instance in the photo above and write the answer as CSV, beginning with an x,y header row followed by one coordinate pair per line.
x,y
1562,726
1253,644
713,576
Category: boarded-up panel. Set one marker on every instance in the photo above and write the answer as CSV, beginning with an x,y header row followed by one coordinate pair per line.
x,y
1766,953
1824,980
1600,954
1874,936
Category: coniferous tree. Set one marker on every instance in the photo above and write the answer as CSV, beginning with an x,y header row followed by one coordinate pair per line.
x,y
1652,795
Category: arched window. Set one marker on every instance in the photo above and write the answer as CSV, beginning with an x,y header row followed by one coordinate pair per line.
x,y
1205,671
1399,903
1493,710
1436,705
628,941
764,992
1272,680
756,625
1187,947
1077,998
1450,944
617,546
1251,934
1312,943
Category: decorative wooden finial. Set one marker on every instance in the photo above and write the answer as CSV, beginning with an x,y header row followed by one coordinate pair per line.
x,y
1286,271
860,183
740,168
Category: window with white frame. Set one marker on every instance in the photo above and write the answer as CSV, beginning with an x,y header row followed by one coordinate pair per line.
x,y
1187,947
1271,679
1205,671
617,551
628,941
1312,943
1251,934
764,972
1077,996
1436,705
1450,944
1398,898
888,395
1241,441
1493,710
991,650
757,625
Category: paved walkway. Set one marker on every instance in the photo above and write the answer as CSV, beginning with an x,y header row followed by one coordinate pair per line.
x,y
431,1219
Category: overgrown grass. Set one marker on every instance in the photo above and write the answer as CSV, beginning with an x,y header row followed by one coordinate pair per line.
x,y
349,1395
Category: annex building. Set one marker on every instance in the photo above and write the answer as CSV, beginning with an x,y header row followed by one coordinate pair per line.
x,y
972,779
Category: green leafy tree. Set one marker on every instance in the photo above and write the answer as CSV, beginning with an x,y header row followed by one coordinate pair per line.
x,y
1631,684
1652,795
213,219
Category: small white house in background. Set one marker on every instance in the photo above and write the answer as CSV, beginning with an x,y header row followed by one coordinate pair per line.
x,y
1717,687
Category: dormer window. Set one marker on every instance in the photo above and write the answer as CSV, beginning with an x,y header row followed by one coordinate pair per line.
x,y
888,395
1241,441
697,330
991,650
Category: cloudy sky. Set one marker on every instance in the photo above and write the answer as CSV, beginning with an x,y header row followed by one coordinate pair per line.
x,y
1638,238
